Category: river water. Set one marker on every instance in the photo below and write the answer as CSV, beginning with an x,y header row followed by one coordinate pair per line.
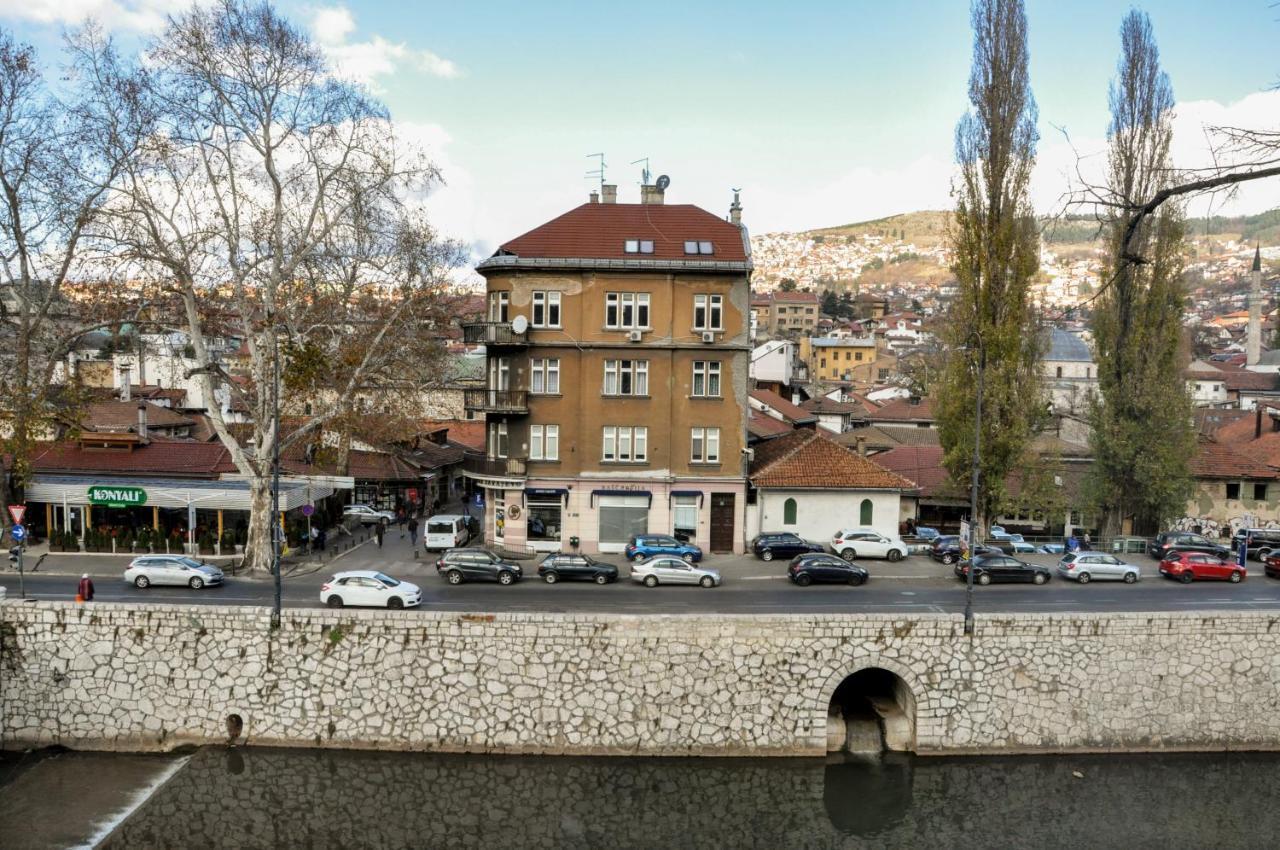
x,y
266,798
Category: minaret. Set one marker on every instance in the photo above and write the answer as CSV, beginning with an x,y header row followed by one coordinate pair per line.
x,y
1253,341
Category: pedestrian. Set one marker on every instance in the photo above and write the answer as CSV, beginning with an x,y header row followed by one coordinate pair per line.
x,y
321,536
413,533
85,590
314,534
1088,544
377,532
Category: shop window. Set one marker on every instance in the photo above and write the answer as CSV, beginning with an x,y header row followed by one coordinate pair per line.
x,y
865,512
545,521
685,517
789,512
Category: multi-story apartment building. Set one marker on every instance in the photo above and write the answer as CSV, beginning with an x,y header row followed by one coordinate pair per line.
x,y
617,343
840,358
781,313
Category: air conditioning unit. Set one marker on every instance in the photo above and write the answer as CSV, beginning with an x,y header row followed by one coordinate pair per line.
x,y
635,336
708,336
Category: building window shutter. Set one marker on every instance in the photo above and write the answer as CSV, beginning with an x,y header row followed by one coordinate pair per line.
x,y
865,512
789,512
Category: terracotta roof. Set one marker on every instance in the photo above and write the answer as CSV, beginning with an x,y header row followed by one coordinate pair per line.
x,y
807,459
175,395
920,464
789,411
1237,378
822,404
380,466
903,410
1218,461
885,437
795,296
468,433
1225,426
123,415
184,459
597,231
762,426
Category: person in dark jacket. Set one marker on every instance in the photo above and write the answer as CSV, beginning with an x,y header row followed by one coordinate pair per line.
x,y
85,590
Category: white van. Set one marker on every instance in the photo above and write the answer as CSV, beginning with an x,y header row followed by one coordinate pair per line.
x,y
445,531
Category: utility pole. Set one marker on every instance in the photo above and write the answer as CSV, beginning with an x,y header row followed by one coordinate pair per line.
x,y
973,493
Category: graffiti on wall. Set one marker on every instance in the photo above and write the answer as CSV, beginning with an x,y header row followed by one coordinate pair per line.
x,y
1216,528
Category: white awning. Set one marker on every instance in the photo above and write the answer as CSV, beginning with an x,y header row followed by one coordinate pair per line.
x,y
226,494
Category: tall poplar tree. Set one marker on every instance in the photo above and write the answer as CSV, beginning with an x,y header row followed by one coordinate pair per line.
x,y
1142,431
991,326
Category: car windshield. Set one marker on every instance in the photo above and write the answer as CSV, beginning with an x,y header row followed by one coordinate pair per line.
x,y
386,579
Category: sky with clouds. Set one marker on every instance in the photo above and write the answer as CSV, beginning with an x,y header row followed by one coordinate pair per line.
x,y
821,111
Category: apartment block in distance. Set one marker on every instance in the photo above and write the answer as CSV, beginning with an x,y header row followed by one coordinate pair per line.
x,y
617,344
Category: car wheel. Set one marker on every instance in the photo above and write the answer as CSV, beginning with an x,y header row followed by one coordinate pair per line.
x,y
984,578
395,603
687,557
895,556
848,555
804,580
196,583
1236,576
857,579
948,558
551,578
766,555
1263,554
1130,578
454,577
1187,577
637,558
1083,578
505,577
142,582
650,581
602,579
335,601
1040,578
707,581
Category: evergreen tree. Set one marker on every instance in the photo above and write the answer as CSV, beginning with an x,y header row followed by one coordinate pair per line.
x,y
991,327
830,304
1142,432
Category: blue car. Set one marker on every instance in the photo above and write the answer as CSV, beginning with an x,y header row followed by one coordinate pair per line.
x,y
924,532
644,546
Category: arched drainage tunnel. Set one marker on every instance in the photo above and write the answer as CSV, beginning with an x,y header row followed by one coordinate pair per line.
x,y
871,711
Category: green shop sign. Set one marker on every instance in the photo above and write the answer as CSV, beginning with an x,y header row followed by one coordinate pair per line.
x,y
117,497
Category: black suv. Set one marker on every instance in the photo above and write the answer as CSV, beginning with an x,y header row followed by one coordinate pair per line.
x,y
1262,541
571,567
813,567
949,548
1185,541
459,565
782,545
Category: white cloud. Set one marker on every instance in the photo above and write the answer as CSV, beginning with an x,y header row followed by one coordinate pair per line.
x,y
365,61
143,15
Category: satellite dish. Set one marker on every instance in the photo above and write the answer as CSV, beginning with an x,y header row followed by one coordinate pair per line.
x,y
663,182
519,324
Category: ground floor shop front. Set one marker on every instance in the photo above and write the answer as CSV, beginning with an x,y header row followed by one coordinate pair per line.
x,y
548,515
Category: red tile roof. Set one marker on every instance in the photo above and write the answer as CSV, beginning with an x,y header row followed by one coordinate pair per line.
x,y
807,459
1219,461
468,433
123,415
822,404
597,231
794,297
763,426
791,412
1238,378
902,410
921,464
177,459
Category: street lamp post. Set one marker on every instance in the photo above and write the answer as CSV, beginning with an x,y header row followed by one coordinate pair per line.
x,y
973,491
276,530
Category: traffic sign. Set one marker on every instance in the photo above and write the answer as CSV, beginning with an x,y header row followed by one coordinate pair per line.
x,y
308,510
17,512
18,533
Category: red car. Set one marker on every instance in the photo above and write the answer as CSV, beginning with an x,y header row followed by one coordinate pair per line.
x,y
1186,567
1272,566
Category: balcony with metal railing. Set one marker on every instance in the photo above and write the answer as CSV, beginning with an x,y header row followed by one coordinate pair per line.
x,y
493,334
509,402
494,471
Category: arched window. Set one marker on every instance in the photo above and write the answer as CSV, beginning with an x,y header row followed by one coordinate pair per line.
x,y
1059,371
864,512
789,512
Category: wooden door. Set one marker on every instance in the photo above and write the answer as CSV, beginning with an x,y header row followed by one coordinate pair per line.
x,y
722,522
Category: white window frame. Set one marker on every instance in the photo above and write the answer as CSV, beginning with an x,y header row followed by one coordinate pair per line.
x,y
619,304
544,376
637,371
705,445
706,372
637,246
499,306
624,444
544,442
711,308
499,440
546,303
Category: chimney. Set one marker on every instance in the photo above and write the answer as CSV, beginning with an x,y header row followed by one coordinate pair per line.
x,y
142,421
594,197
609,193
861,442
735,211
1257,424
652,194
126,392
1253,338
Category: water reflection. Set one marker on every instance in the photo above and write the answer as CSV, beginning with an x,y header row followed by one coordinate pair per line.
x,y
250,798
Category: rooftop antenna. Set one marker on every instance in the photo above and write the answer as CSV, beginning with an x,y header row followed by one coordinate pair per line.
x,y
598,171
644,172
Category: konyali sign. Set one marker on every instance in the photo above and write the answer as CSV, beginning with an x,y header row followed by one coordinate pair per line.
x,y
117,497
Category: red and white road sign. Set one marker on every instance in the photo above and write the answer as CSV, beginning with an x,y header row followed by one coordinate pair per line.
x,y
17,512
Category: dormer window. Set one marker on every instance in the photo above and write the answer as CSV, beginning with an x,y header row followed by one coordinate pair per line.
x,y
696,247
638,246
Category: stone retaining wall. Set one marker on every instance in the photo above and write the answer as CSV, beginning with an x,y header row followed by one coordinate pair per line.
x,y
140,677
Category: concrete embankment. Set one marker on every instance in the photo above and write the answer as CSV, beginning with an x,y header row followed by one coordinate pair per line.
x,y
134,677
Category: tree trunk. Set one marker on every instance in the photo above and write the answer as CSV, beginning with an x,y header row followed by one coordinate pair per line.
x,y
258,555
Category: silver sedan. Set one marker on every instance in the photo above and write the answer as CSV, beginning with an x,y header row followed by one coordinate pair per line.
x,y
147,570
1084,567
665,569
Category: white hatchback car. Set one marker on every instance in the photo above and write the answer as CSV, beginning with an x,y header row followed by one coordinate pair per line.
x,y
369,588
851,543
668,569
146,570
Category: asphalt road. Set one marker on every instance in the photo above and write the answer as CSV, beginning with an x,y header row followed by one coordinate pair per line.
x,y
916,585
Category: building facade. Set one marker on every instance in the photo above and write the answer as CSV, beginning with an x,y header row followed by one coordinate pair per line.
x,y
840,358
617,348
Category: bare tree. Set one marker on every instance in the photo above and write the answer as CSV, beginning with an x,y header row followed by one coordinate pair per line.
x,y
58,159
993,234
272,202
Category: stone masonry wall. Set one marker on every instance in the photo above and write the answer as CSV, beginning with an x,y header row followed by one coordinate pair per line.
x,y
139,677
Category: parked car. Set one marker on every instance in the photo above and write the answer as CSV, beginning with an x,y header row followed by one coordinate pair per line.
x,y
850,543
924,532
1084,567
369,588
574,567
1052,548
949,549
989,569
445,531
1271,567
368,515
1262,541
459,565
1185,541
1187,567
997,531
664,569
1010,546
782,545
819,567
644,546
147,570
